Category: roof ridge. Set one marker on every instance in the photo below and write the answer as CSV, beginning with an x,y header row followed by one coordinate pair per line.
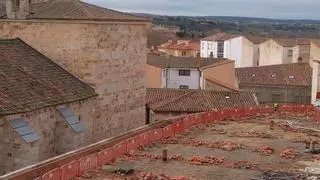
x,y
170,100
223,84
83,9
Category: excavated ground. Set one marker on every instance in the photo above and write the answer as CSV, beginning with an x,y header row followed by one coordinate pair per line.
x,y
228,150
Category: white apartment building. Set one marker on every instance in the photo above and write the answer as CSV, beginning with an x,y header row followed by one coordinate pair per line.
x,y
233,47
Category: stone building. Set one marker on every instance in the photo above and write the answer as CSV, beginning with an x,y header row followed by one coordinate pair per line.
x,y
287,83
35,96
105,49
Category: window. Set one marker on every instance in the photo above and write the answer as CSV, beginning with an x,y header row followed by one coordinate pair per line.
x,y
220,49
71,119
290,53
184,72
24,130
211,54
164,73
184,87
184,53
202,46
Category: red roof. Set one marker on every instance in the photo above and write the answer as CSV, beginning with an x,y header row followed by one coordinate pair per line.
x,y
187,45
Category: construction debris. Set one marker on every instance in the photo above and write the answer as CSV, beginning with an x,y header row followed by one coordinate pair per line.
x,y
316,158
289,153
285,176
265,150
227,146
251,134
207,160
241,165
124,172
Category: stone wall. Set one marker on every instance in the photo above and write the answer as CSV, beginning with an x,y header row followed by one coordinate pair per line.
x,y
16,153
111,57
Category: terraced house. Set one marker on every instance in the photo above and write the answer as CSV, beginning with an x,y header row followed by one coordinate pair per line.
x,y
75,76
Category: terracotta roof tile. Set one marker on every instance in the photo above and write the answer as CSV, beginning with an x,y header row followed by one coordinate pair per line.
x,y
77,10
220,37
30,81
197,100
291,42
257,39
184,62
187,45
296,74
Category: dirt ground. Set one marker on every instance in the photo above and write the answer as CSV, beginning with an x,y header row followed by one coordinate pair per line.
x,y
248,138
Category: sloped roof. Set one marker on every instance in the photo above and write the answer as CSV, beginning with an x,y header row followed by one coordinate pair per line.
x,y
77,10
187,45
220,37
291,42
257,39
296,74
30,81
176,100
220,83
184,62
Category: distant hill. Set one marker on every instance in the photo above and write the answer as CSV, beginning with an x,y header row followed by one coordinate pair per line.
x,y
199,26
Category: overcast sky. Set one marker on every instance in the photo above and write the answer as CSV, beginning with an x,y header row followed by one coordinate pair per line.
x,y
284,9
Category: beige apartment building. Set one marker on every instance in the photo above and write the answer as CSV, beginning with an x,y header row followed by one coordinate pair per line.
x,y
288,50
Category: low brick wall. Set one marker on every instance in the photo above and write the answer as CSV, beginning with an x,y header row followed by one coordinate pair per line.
x,y
74,163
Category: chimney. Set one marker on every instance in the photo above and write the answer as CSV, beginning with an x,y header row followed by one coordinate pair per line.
x,y
17,9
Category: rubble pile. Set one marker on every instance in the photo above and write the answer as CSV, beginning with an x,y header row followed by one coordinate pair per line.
x,y
177,157
207,160
172,140
218,131
251,134
151,176
241,165
265,150
316,158
192,142
227,146
285,176
289,153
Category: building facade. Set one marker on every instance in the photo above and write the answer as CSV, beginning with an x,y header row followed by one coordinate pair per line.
x,y
283,83
233,47
188,73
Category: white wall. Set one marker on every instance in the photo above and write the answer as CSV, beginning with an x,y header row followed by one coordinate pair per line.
x,y
174,80
206,47
232,50
164,78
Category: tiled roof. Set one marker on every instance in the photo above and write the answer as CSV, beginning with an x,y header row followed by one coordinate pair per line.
x,y
176,100
220,37
184,62
291,42
77,10
30,81
296,74
187,45
257,39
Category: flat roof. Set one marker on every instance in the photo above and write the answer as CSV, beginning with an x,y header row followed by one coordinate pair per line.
x,y
226,150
